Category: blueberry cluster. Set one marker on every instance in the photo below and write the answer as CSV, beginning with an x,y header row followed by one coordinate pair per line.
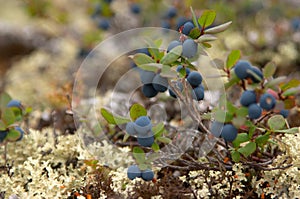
x,y
134,172
244,70
195,80
228,132
189,47
142,128
249,99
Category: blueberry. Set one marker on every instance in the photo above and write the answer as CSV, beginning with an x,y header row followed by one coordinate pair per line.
x,y
241,68
165,24
97,11
173,44
108,1
216,128
180,22
142,125
187,27
146,141
284,113
267,101
2,135
130,128
21,133
104,24
258,72
194,78
147,76
229,133
149,91
135,8
189,48
14,103
147,175
179,86
248,97
187,70
160,83
144,51
198,93
254,111
172,12
134,172
296,23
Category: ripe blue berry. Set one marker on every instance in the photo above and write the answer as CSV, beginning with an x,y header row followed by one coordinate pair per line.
x,y
2,135
142,125
187,27
180,22
135,8
229,133
144,51
216,128
146,76
241,68
165,24
248,97
134,172
194,78
258,72
14,103
198,93
172,12
254,111
147,175
108,1
173,44
17,128
160,83
104,24
284,113
130,128
179,86
149,91
187,70
146,141
267,101
189,48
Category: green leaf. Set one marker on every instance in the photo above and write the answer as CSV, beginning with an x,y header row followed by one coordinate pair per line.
x,y
167,72
158,129
28,110
141,58
289,131
4,99
275,82
206,38
232,58
242,111
235,156
238,121
195,33
291,91
230,107
154,67
13,135
164,140
195,21
155,147
136,111
154,52
172,56
248,149
222,116
139,155
290,84
8,116
276,122
241,138
232,81
111,119
205,44
261,140
218,29
207,18
269,69
251,127
126,136
152,157
143,166
2,126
